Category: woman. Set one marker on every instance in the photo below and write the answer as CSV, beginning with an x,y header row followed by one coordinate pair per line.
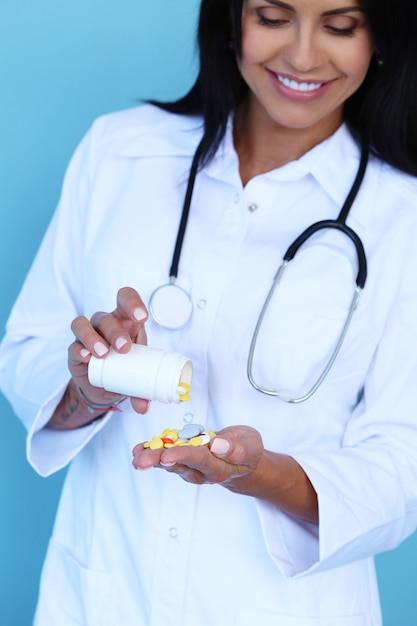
x,y
290,99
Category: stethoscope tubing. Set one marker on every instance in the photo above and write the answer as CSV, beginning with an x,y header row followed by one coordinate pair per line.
x,y
339,224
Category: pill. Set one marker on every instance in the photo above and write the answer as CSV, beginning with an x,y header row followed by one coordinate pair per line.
x,y
183,390
191,430
190,435
156,443
195,441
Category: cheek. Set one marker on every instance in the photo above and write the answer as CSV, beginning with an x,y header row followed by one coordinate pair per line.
x,y
258,45
359,62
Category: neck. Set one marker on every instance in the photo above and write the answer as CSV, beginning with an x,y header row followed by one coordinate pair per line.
x,y
263,145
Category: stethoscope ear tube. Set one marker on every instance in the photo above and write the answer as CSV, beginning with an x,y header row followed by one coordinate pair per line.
x,y
338,224
344,228
173,272
171,306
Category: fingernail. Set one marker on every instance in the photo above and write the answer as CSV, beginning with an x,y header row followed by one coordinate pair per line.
x,y
120,342
84,353
139,314
220,446
166,464
100,348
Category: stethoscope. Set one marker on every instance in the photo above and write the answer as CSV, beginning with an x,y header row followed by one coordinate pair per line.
x,y
171,306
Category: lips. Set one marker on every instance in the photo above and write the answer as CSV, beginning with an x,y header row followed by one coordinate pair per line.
x,y
298,86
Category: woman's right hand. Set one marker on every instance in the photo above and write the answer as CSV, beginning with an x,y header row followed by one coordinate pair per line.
x,y
118,329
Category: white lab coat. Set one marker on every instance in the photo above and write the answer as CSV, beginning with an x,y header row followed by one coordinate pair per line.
x,y
148,549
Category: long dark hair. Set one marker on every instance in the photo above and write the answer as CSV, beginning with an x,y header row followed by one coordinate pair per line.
x,y
382,112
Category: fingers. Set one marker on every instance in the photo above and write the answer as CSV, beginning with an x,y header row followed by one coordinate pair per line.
x,y
140,405
130,305
234,452
125,323
117,329
89,340
239,446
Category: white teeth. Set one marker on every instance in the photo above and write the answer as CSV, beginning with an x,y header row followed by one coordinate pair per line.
x,y
293,84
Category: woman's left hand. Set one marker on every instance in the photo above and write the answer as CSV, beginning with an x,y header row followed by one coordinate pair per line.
x,y
235,452
237,460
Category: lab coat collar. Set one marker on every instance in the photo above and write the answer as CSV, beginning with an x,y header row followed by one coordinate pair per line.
x,y
333,163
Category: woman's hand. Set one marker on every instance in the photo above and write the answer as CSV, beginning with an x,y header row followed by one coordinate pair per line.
x,y
118,329
233,453
238,461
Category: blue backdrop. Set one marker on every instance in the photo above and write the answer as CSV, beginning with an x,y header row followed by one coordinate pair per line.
x,y
63,63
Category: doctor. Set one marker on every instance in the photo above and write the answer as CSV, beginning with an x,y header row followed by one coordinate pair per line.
x,y
277,523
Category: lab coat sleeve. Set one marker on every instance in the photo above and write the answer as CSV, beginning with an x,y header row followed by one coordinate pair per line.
x,y
33,353
367,489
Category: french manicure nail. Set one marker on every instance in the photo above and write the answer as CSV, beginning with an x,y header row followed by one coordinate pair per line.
x,y
84,353
100,348
220,446
139,314
120,342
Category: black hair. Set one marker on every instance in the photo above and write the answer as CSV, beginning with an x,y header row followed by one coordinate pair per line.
x,y
381,113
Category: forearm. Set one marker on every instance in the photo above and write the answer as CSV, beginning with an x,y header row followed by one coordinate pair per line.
x,y
280,480
72,412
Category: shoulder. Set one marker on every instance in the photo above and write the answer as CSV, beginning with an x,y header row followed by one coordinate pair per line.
x,y
395,193
391,211
146,130
398,183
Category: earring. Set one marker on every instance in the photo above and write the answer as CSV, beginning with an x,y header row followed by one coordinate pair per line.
x,y
378,59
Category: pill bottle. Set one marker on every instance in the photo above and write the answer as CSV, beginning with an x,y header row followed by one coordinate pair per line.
x,y
143,372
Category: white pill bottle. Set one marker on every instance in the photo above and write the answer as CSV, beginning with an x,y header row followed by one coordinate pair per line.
x,y
143,372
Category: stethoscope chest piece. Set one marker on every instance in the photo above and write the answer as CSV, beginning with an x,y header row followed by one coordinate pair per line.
x,y
170,306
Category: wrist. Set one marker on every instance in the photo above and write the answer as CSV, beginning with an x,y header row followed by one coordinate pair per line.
x,y
96,407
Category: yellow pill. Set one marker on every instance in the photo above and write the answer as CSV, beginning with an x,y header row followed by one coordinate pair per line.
x,y
147,444
172,434
211,433
181,442
165,433
195,441
156,443
184,392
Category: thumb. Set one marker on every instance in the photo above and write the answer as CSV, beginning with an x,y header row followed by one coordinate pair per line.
x,y
220,446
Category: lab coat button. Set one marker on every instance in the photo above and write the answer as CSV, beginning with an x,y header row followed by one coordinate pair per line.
x,y
253,207
236,198
173,533
188,418
202,304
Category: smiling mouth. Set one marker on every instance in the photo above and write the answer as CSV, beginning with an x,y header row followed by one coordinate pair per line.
x,y
296,86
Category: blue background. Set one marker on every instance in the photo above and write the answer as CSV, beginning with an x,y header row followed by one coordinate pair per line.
x,y
63,63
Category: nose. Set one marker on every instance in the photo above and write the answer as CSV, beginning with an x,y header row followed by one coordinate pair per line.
x,y
302,51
